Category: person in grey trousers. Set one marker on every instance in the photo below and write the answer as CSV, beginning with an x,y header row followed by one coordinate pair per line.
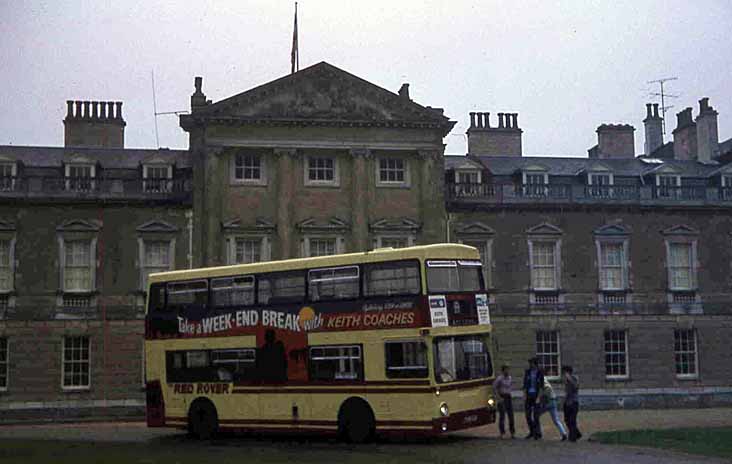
x,y
502,390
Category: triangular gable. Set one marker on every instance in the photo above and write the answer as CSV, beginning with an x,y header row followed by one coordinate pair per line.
x,y
323,93
726,169
612,229
466,164
594,167
544,229
7,225
474,228
680,229
156,158
79,225
394,224
662,169
260,225
157,226
76,158
332,223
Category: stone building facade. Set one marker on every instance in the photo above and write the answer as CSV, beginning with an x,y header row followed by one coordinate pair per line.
x,y
317,162
80,228
614,263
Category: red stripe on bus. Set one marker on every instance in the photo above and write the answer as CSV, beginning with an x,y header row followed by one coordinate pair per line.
x,y
336,383
332,390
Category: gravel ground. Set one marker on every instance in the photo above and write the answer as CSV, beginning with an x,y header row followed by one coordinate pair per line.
x,y
479,445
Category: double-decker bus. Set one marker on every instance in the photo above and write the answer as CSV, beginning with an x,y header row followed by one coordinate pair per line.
x,y
392,340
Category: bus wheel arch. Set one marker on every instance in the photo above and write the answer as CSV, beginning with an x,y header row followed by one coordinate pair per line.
x,y
356,420
203,419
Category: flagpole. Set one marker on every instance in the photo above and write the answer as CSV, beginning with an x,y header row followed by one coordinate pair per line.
x,y
295,53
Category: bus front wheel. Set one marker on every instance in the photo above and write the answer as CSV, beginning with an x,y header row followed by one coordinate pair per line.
x,y
356,421
203,421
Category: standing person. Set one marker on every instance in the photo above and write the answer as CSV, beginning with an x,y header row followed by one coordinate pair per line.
x,y
502,390
533,382
549,403
571,402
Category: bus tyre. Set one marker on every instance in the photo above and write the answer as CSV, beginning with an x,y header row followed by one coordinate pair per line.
x,y
356,422
203,421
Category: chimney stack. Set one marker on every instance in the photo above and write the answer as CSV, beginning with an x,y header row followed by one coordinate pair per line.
x,y
87,124
614,141
503,140
654,129
707,137
685,136
198,99
404,91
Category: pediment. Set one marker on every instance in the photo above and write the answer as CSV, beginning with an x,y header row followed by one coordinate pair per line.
x,y
612,229
332,224
544,229
535,167
236,224
156,159
157,226
394,224
474,228
680,229
467,164
7,225
79,225
322,93
76,158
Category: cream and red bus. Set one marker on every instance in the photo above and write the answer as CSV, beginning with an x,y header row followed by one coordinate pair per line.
x,y
392,340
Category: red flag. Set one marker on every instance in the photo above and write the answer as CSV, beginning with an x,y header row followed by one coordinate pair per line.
x,y
294,56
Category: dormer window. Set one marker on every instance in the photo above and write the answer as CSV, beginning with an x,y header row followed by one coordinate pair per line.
x,y
80,177
667,185
467,183
157,177
599,184
535,183
726,187
7,176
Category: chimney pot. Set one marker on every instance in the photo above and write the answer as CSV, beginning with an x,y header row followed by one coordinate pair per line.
x,y
655,110
95,110
87,112
704,105
515,120
500,121
118,113
102,110
404,91
78,107
198,83
649,113
69,109
472,119
110,110
487,120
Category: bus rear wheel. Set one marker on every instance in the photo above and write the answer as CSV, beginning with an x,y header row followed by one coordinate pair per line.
x,y
356,422
203,421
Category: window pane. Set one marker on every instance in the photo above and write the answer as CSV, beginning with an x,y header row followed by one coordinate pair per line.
x,y
334,283
76,362
284,287
322,246
232,291
247,251
547,350
396,278
335,363
406,359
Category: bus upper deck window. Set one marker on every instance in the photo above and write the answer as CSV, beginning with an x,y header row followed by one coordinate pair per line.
x,y
156,302
188,294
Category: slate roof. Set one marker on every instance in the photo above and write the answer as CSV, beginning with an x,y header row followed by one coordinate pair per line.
x,y
558,166
110,158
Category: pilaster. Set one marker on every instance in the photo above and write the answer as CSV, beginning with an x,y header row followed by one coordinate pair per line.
x,y
286,181
361,186
432,196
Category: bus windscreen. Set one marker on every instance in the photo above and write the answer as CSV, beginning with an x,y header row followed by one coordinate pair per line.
x,y
454,276
462,358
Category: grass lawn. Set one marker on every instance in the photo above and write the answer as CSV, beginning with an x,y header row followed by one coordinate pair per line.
x,y
705,441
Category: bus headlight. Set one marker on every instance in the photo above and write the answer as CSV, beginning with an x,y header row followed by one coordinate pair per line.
x,y
491,403
444,410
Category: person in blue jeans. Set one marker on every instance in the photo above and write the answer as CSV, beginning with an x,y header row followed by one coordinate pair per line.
x,y
548,401
533,383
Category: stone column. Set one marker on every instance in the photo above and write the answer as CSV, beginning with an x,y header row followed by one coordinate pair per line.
x,y
286,181
360,185
432,196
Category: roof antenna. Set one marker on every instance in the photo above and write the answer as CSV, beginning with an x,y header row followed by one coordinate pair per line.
x,y
155,110
663,96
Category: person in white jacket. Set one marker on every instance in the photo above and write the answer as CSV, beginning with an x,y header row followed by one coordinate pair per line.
x,y
548,401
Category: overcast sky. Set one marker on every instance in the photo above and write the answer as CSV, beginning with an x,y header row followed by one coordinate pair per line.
x,y
565,67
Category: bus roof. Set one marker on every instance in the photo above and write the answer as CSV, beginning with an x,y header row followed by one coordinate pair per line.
x,y
437,251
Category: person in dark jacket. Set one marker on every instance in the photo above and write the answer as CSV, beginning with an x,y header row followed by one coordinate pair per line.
x,y
571,402
533,383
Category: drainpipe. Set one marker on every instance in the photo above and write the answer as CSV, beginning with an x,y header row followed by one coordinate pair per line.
x,y
189,216
449,221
